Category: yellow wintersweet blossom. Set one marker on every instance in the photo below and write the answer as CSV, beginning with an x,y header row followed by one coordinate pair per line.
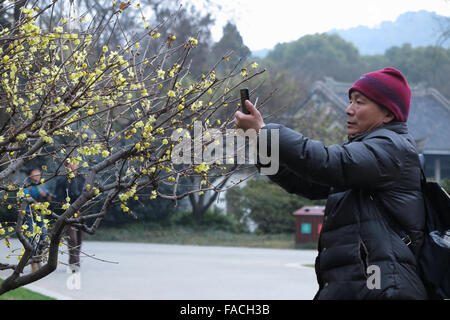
x,y
21,136
130,193
153,195
196,105
203,167
193,41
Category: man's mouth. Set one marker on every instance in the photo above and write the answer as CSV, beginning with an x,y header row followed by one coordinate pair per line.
x,y
351,123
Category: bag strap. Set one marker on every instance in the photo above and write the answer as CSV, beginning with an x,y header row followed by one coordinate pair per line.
x,y
423,179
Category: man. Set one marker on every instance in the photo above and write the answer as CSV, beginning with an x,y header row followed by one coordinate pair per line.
x,y
36,192
374,217
67,191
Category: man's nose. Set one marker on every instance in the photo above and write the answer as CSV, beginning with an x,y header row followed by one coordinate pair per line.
x,y
349,109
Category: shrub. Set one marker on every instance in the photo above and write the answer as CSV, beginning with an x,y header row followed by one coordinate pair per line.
x,y
213,219
267,204
445,183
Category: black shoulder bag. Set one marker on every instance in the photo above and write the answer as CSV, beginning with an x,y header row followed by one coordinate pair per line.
x,y
434,257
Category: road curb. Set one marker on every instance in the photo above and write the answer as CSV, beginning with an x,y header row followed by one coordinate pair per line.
x,y
47,293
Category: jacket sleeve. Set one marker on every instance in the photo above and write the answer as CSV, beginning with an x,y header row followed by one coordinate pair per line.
x,y
372,162
294,184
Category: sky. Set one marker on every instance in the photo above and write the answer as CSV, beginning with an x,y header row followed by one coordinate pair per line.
x,y
264,23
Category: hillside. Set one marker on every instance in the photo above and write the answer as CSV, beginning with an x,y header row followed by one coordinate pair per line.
x,y
422,28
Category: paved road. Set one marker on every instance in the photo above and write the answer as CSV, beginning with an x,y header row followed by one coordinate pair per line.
x,y
178,272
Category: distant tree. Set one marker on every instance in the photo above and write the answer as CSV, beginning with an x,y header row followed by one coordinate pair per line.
x,y
430,65
445,34
201,202
185,21
266,204
278,96
231,41
312,57
10,13
319,122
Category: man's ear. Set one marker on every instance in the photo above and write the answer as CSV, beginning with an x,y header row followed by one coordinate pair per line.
x,y
389,116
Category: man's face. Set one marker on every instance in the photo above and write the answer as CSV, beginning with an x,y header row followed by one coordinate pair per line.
x,y
364,115
35,175
72,167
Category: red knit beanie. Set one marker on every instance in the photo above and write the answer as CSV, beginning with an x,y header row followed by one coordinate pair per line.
x,y
388,88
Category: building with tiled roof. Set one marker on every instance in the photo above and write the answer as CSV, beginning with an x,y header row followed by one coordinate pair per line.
x,y
428,121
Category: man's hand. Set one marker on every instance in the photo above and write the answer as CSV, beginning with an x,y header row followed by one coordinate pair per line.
x,y
253,120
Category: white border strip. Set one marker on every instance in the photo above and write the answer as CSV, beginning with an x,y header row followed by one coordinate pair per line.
x,y
47,293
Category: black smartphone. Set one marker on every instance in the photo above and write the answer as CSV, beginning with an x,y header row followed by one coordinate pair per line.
x,y
244,96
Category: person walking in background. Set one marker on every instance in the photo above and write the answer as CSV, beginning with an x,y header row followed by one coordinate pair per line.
x,y
68,189
36,230
374,216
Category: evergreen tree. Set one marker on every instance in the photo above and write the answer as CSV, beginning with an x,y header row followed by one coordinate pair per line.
x,y
231,41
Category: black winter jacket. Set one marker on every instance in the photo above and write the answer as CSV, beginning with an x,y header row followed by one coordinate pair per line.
x,y
372,184
71,188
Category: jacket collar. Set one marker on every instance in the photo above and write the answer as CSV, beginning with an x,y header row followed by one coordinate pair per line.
x,y
397,127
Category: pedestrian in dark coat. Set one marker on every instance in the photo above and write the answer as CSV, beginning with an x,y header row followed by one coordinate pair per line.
x,y
68,189
374,216
36,227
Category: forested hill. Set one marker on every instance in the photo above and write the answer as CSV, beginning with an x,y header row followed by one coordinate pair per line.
x,y
421,28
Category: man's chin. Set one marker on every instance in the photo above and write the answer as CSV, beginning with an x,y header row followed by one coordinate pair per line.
x,y
351,134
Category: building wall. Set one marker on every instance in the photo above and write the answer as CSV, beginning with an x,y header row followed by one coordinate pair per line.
x,y
437,166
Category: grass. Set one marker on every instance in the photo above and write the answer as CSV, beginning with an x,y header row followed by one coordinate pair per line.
x,y
152,233
23,294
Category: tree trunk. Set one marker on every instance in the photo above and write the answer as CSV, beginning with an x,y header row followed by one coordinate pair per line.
x,y
198,207
17,6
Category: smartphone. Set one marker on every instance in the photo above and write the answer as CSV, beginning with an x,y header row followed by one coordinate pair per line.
x,y
244,96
